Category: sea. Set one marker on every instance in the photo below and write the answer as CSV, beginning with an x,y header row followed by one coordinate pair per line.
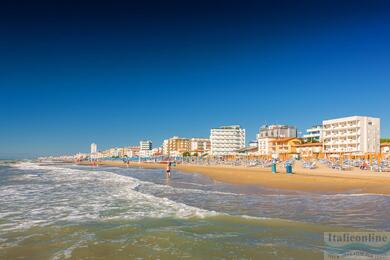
x,y
67,211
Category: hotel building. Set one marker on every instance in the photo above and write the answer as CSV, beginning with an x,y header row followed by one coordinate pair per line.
x,y
145,145
268,133
313,134
277,131
200,145
93,148
263,146
176,146
131,151
227,139
284,145
276,146
355,135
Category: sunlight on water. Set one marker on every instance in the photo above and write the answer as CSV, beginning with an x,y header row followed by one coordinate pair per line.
x,y
65,211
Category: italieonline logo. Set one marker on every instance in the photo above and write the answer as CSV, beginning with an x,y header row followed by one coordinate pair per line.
x,y
357,245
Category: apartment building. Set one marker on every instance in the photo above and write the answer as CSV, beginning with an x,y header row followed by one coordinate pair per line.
x,y
131,151
313,134
268,133
268,146
277,131
176,146
145,145
93,148
200,145
263,146
355,135
284,145
227,139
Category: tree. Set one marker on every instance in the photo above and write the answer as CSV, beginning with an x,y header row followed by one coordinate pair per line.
x,y
186,154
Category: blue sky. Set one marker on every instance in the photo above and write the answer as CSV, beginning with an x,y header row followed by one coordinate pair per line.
x,y
113,73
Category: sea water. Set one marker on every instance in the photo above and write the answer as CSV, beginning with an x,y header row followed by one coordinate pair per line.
x,y
59,211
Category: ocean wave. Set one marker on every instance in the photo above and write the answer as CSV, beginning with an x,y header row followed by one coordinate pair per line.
x,y
73,195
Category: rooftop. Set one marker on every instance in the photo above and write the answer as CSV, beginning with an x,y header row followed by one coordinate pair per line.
x,y
229,127
284,139
276,126
309,145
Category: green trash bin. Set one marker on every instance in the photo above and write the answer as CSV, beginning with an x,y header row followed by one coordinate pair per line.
x,y
288,168
273,168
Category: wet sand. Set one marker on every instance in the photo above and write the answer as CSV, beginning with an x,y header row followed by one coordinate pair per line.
x,y
321,179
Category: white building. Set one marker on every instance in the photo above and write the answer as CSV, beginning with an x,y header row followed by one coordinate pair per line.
x,y
145,145
253,143
227,139
115,152
355,134
263,146
165,145
313,133
145,153
93,148
200,145
131,151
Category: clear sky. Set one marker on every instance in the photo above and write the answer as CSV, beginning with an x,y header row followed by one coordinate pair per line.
x,y
115,72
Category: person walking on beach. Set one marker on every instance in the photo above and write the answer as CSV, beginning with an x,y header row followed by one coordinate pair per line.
x,y
168,170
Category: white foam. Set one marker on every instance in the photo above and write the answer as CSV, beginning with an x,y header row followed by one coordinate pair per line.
x,y
72,195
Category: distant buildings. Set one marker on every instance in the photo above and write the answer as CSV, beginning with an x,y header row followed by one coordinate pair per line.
x,y
227,139
131,151
176,146
277,131
313,134
93,148
268,134
253,143
200,145
355,134
385,148
284,145
145,153
264,146
277,146
145,145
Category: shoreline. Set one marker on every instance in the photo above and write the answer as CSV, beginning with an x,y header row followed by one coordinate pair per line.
x,y
321,180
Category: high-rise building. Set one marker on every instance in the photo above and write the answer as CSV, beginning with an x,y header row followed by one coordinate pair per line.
x,y
200,145
145,145
93,148
355,134
263,146
227,139
269,133
313,134
176,146
253,143
277,131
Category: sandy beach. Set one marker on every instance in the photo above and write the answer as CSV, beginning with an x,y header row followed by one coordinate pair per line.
x,y
321,179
